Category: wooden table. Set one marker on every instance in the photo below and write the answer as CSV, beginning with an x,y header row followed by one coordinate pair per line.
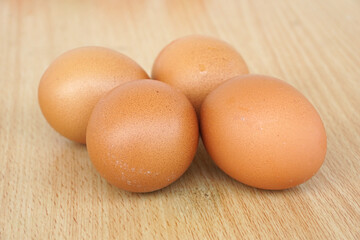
x,y
48,186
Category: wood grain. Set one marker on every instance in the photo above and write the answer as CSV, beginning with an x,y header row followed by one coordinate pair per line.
x,y
48,187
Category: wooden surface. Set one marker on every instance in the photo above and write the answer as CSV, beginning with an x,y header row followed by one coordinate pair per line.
x,y
48,186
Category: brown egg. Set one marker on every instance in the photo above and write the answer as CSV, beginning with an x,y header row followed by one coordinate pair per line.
x,y
196,65
76,80
142,135
263,132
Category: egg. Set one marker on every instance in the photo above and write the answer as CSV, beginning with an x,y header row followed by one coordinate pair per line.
x,y
75,81
262,132
196,65
142,135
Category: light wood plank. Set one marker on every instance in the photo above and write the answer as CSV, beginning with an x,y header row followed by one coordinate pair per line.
x,y
48,187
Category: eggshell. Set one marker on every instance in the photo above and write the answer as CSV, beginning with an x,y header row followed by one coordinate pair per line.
x,y
75,81
142,135
263,132
196,65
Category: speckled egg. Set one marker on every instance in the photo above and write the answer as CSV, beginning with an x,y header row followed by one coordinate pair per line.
x,y
197,64
142,135
75,81
263,132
